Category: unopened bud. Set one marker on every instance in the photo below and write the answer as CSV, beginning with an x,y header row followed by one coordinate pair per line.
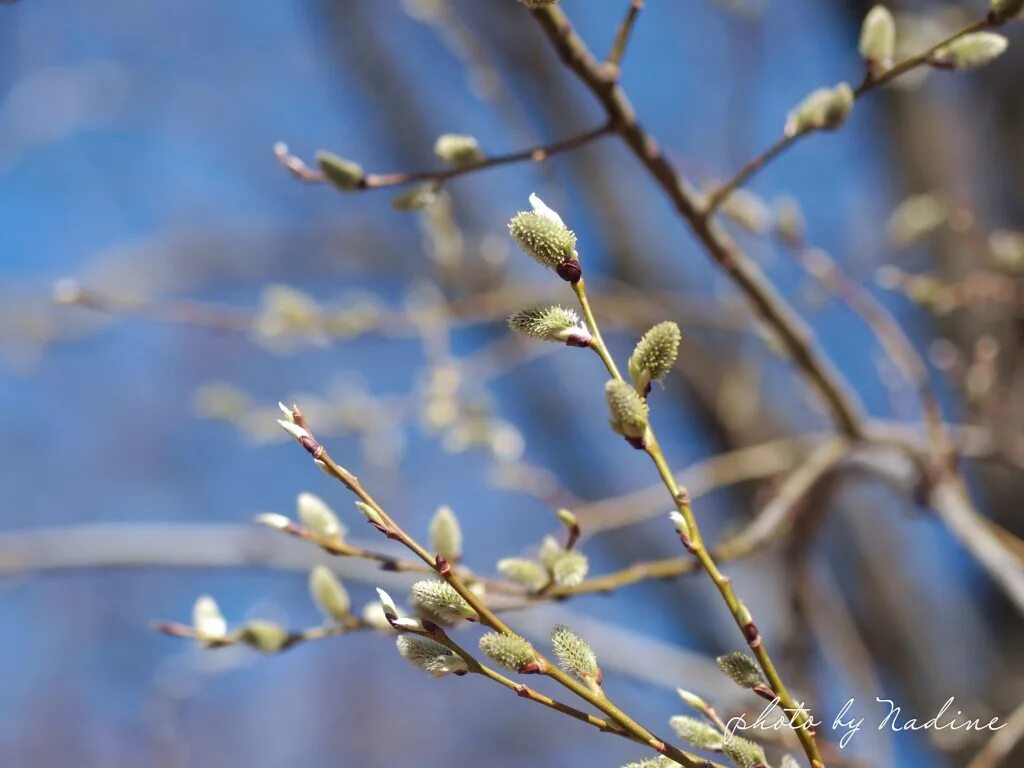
x,y
318,517
529,574
342,173
264,636
970,51
741,669
458,150
823,110
697,732
328,593
446,534
207,620
878,39
1002,11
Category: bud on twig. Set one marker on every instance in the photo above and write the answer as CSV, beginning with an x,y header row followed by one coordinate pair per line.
x,y
1002,11
970,51
415,198
744,753
627,411
342,173
273,520
207,620
458,150
569,568
439,599
878,39
823,110
741,669
553,323
318,517
446,535
531,575
509,651
574,655
697,732
328,593
430,656
654,355
544,238
264,636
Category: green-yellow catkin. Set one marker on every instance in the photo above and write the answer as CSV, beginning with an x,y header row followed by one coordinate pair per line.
x,y
530,574
458,150
1002,11
569,568
318,517
915,218
654,355
328,593
823,110
971,51
748,210
550,323
567,518
534,4
627,410
342,173
371,514
415,198
574,655
741,669
440,599
1006,247
264,636
878,37
509,651
789,221
696,732
446,534
549,551
544,238
429,655
744,753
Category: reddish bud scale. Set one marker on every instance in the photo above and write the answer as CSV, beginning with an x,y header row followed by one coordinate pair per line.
x,y
570,271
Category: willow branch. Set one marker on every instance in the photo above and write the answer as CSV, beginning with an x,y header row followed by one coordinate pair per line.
x,y
691,538
298,168
871,83
614,62
300,429
765,301
999,747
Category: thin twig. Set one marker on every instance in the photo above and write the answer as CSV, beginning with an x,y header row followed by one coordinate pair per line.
x,y
871,82
298,168
614,61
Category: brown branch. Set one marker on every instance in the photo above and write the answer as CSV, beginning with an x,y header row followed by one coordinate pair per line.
x,y
872,82
298,168
614,62
766,303
998,748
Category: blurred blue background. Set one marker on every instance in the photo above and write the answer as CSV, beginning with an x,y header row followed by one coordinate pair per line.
x,y
135,157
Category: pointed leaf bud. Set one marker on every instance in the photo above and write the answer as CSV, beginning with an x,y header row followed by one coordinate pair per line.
x,y
544,238
627,410
429,655
373,616
878,39
569,568
439,599
567,518
970,51
318,517
741,669
294,430
654,355
553,323
415,198
458,150
679,523
446,535
264,636
328,593
823,110
273,520
509,651
207,620
372,516
531,575
573,653
697,732
744,753
692,700
342,173
915,218
387,604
